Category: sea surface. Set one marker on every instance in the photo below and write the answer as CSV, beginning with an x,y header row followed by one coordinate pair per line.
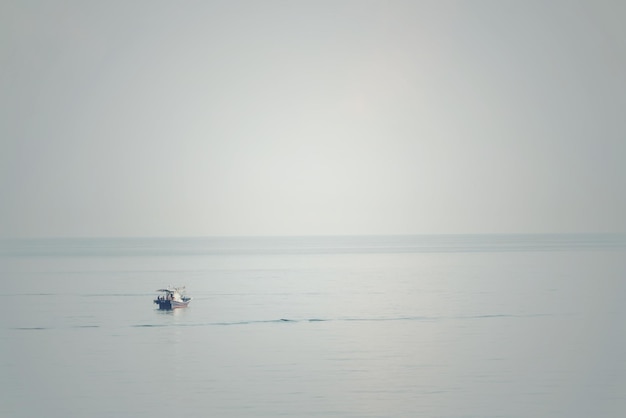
x,y
374,326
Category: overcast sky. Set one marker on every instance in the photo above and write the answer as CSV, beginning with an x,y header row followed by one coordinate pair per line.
x,y
176,118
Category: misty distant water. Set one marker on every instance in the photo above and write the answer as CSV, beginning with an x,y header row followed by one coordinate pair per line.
x,y
401,326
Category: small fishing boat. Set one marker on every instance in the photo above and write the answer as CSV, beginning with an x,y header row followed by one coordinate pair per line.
x,y
172,298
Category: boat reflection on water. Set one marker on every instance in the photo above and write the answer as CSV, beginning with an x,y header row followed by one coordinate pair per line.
x,y
172,298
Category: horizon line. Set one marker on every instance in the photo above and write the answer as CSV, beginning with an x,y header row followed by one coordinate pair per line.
x,y
364,235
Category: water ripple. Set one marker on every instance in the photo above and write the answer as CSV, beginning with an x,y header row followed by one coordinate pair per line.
x,y
364,319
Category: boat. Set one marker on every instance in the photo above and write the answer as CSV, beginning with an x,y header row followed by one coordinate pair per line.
x,y
172,298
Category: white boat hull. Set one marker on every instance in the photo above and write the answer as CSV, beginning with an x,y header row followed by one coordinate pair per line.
x,y
177,304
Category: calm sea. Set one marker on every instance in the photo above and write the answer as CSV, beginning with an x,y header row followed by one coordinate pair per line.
x,y
402,326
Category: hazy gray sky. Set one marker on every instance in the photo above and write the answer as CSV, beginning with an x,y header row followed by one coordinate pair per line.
x,y
162,118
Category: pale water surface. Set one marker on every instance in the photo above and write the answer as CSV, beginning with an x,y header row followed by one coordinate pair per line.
x,y
411,326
